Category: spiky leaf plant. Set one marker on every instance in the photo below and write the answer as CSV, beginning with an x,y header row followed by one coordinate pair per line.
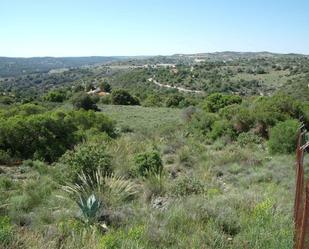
x,y
89,208
92,194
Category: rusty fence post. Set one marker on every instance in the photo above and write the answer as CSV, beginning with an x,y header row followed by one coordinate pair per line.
x,y
301,203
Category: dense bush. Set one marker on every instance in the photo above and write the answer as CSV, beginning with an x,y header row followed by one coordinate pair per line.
x,y
84,101
216,101
203,121
187,185
6,100
247,138
148,163
283,137
174,100
48,135
85,120
122,97
153,100
24,110
221,128
4,157
86,158
56,96
105,86
6,232
40,136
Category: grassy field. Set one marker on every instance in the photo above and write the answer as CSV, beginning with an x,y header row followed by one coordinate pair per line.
x,y
272,78
145,119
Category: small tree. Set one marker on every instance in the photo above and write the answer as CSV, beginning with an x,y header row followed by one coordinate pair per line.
x,y
283,137
55,96
87,158
148,163
122,97
105,86
84,101
174,100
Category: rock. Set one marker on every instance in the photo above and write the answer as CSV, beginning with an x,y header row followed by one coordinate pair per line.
x,y
103,228
160,203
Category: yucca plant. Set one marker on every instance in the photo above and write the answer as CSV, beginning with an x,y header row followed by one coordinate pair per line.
x,y
89,208
92,194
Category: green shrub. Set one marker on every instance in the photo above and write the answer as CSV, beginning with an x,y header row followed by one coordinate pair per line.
x,y
283,137
26,110
246,138
41,136
221,128
153,100
55,95
35,192
174,100
39,166
6,100
4,157
21,203
87,158
122,97
187,185
6,232
84,101
6,183
216,101
148,163
105,86
203,121
85,120
106,100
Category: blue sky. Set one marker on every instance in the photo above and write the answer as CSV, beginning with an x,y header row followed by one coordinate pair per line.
x,y
136,27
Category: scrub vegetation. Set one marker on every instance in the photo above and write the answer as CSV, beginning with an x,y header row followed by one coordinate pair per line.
x,y
107,159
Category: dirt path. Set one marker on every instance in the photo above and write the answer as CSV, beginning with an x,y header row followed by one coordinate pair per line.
x,y
181,89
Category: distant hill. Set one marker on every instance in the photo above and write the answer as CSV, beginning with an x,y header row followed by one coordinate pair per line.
x,y
12,67
20,66
230,55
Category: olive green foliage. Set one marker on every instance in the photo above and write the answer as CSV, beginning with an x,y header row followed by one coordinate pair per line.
x,y
84,101
4,157
41,136
257,115
174,100
6,232
218,182
216,101
283,137
86,158
148,163
105,86
153,100
122,97
86,120
187,185
247,138
28,131
221,128
6,100
58,95
203,121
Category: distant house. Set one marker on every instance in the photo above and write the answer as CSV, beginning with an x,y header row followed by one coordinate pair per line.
x,y
98,92
198,60
101,94
95,91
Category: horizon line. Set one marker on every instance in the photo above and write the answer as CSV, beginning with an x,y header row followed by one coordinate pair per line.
x,y
153,55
